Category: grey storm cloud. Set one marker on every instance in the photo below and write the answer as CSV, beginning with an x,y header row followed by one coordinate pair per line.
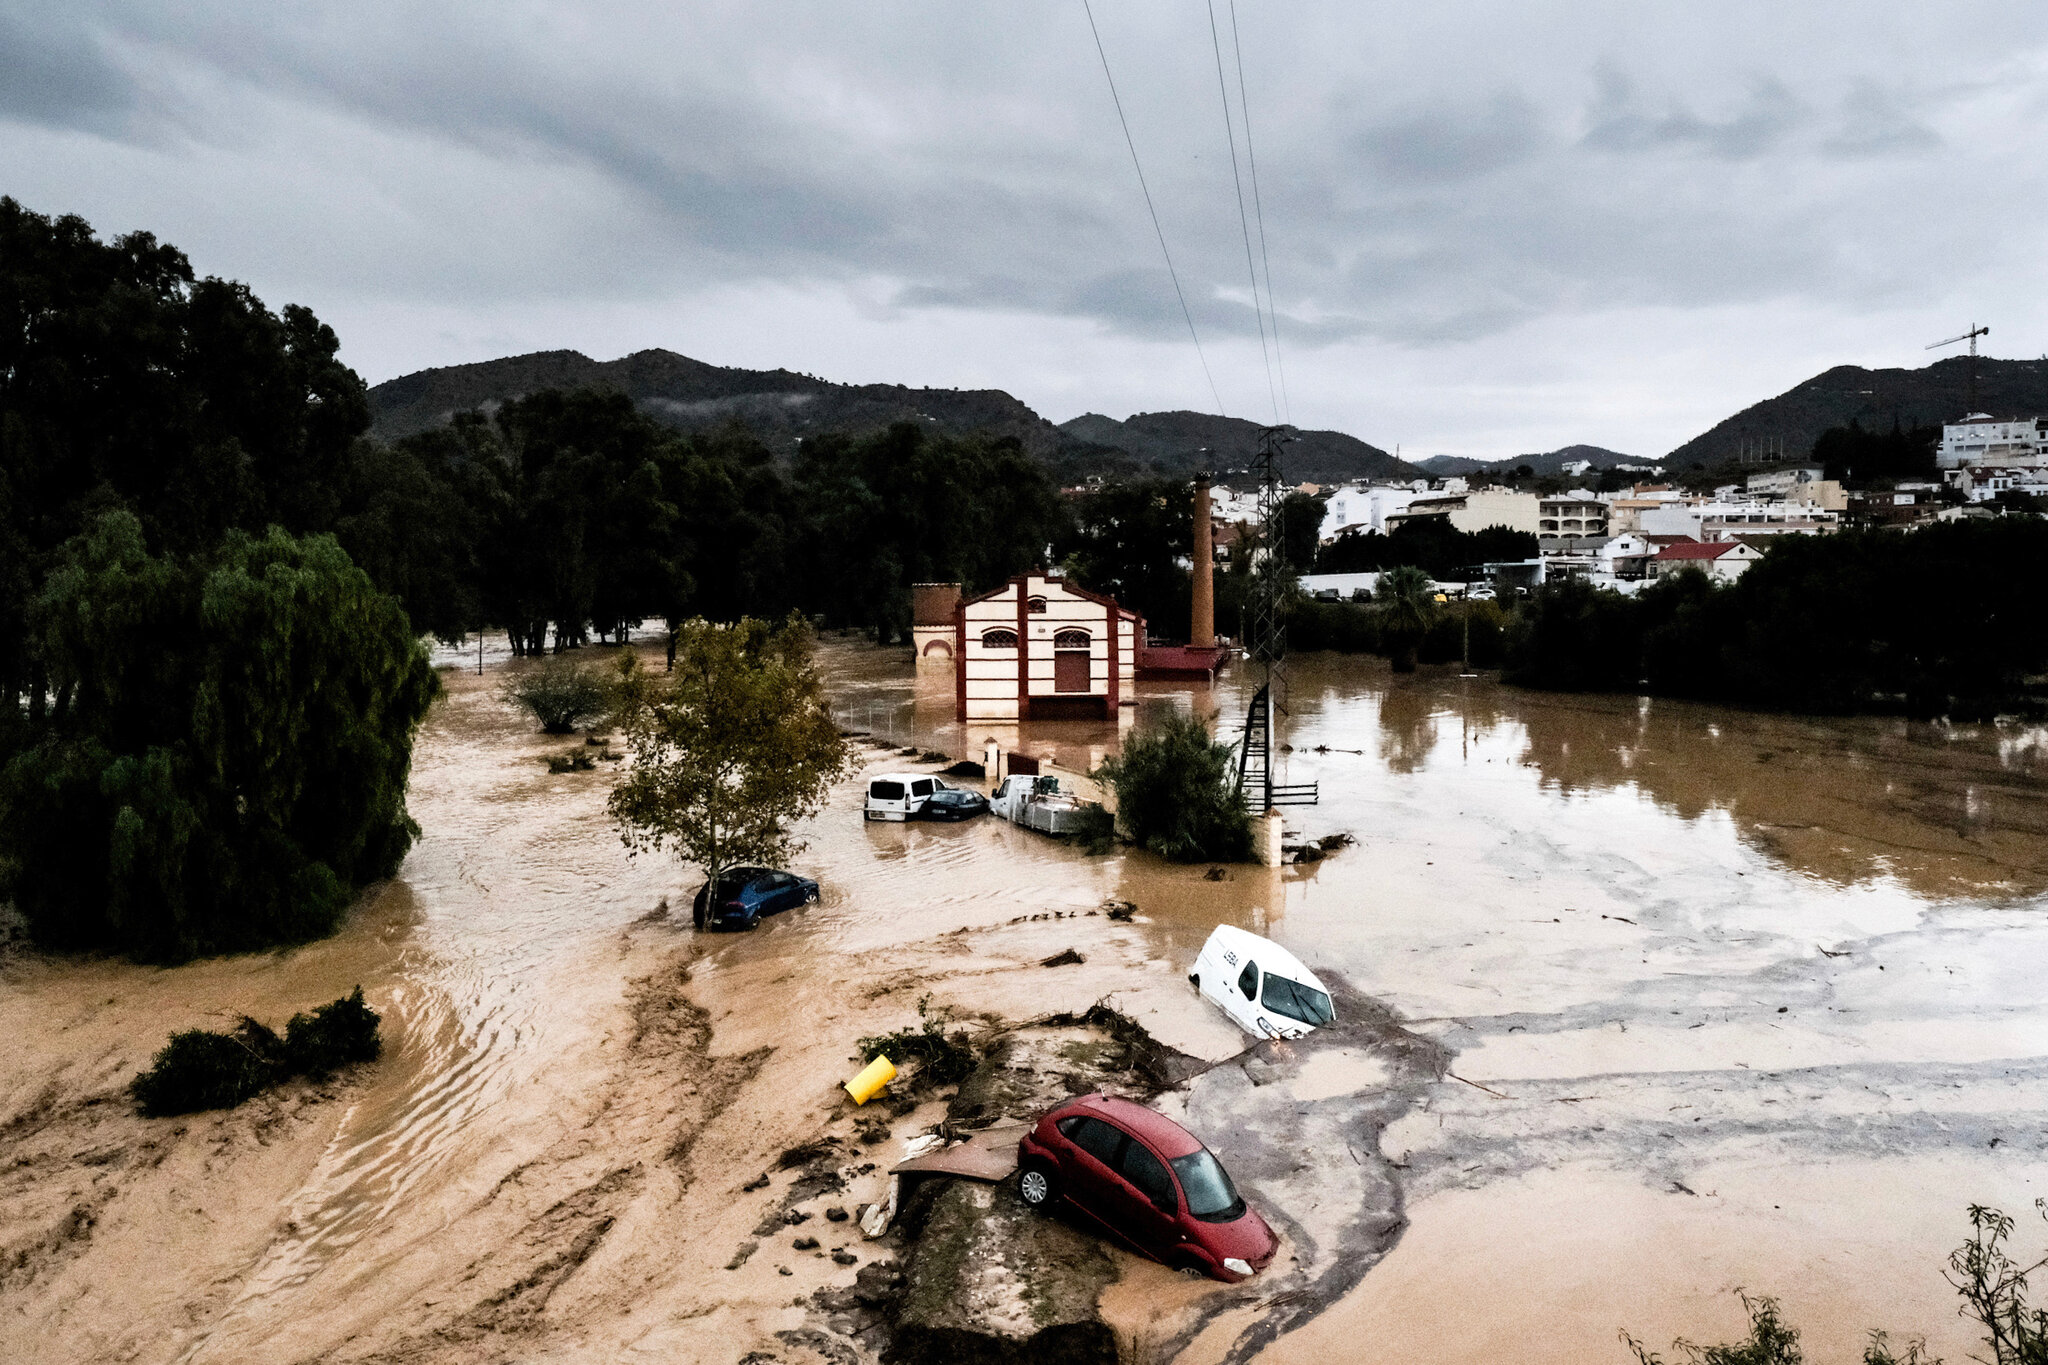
x,y
1426,179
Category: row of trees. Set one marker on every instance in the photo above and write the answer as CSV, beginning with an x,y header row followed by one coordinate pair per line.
x,y
1948,619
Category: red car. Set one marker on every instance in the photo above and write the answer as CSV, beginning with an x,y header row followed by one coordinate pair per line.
x,y
1147,1182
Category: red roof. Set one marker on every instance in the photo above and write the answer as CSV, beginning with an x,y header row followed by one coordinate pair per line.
x,y
1694,549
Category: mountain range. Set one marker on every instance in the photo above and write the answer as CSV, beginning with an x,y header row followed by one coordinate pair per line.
x,y
782,407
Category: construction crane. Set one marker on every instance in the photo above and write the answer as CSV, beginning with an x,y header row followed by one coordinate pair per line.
x,y
1971,337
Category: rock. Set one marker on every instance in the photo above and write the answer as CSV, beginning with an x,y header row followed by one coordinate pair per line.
x,y
805,1244
835,1214
739,1258
844,1257
877,1284
759,1182
1069,958
990,1281
1119,910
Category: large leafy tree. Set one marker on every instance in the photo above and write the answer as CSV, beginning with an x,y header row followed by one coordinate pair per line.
x,y
730,749
224,760
1133,541
1176,793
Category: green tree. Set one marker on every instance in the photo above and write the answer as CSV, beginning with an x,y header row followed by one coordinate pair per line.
x,y
225,759
1132,541
730,749
1176,794
1407,606
1301,529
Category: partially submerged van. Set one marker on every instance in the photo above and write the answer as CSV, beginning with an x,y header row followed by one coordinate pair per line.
x,y
1260,985
898,796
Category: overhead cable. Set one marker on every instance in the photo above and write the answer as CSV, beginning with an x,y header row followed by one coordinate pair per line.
x,y
1251,159
1243,222
1160,232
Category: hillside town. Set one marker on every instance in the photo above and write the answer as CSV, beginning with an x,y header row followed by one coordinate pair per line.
x,y
1631,536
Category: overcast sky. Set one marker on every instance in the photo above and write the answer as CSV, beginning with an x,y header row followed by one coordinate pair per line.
x,y
1492,228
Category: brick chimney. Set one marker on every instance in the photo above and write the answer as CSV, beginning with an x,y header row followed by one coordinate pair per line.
x,y
1202,630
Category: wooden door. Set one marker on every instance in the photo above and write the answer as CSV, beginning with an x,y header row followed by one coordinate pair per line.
x,y
1070,670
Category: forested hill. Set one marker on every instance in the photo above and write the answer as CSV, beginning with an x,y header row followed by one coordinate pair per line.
x,y
1175,442
1926,397
1549,462
780,406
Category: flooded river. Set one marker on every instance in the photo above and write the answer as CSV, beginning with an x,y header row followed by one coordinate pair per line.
x,y
1730,1000
1736,1000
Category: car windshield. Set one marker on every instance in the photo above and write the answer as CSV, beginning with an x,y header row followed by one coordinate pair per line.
x,y
1211,1196
1296,1001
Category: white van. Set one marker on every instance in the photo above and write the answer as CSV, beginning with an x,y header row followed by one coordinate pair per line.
x,y
898,796
1260,985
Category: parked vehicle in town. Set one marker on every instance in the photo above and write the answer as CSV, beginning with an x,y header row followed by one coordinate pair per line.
x,y
1037,803
899,796
747,893
953,803
1264,988
1147,1182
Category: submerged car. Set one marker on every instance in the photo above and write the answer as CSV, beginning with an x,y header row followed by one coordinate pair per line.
x,y
747,893
899,796
952,803
1260,985
1147,1182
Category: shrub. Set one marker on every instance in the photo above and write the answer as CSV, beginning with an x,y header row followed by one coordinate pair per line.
x,y
200,1069
561,692
1176,795
338,1034
941,1058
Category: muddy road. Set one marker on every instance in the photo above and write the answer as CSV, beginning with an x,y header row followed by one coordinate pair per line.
x,y
1716,999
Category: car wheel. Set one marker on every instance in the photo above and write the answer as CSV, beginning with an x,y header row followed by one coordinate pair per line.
x,y
1035,1187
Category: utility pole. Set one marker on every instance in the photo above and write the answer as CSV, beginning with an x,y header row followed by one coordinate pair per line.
x,y
1265,637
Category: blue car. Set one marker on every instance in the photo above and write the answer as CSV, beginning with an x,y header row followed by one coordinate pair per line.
x,y
747,893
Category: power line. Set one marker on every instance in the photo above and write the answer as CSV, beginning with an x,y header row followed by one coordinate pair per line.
x,y
1130,142
1230,135
1272,309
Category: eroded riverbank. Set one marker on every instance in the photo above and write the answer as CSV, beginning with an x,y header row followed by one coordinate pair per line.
x,y
1734,1000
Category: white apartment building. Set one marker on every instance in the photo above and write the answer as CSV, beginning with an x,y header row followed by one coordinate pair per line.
x,y
1365,508
1570,516
1476,509
1981,439
1718,521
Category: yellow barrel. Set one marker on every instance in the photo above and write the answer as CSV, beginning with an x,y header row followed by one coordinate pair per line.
x,y
869,1083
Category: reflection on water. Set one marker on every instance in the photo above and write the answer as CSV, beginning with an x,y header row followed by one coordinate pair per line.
x,y
1946,810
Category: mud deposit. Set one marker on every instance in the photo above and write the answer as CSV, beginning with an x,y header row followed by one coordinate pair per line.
x,y
1640,1002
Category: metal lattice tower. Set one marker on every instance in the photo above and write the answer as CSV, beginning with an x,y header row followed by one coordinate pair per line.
x,y
1265,638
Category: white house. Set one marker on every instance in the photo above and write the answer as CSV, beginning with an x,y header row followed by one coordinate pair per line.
x,y
1724,560
1040,648
1979,439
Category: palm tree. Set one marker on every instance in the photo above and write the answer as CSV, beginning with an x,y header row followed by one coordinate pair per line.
x,y
1407,603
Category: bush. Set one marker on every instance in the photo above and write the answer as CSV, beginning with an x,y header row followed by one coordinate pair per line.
x,y
200,1069
941,1058
561,692
338,1034
1176,794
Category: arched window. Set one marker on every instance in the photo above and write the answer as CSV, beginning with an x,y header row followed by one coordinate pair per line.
x,y
1035,605
999,639
1070,639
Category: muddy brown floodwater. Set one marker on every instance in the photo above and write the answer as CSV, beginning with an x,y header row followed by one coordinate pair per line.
x,y
1652,1001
